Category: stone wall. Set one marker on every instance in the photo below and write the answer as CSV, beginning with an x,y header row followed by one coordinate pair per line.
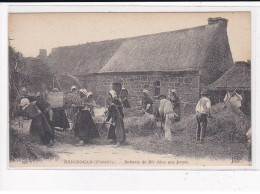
x,y
186,83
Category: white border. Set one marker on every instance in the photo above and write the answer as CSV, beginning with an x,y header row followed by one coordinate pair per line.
x,y
14,178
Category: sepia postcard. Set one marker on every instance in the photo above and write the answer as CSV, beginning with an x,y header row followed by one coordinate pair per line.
x,y
130,90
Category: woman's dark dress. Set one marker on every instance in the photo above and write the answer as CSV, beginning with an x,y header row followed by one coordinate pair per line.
x,y
41,125
126,103
60,119
116,130
85,128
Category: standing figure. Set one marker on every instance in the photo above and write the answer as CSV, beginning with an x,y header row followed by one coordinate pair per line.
x,y
73,99
90,102
175,100
124,98
167,113
41,125
85,129
147,102
115,114
202,113
59,117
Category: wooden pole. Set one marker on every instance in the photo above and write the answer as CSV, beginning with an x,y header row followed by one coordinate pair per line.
x,y
235,90
58,84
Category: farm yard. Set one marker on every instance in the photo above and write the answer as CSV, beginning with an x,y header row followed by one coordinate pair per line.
x,y
181,65
225,143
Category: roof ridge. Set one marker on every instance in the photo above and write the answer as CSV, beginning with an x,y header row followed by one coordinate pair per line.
x,y
180,43
134,37
185,29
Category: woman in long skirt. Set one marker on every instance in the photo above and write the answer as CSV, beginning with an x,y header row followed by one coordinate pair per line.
x,y
85,128
41,126
115,114
59,116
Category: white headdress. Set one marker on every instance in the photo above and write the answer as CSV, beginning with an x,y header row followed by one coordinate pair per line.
x,y
83,91
89,93
73,87
112,93
24,103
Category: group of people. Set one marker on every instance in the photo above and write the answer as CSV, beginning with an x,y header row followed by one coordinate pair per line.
x,y
79,108
169,112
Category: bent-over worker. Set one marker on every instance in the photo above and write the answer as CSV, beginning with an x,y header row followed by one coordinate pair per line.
x,y
147,102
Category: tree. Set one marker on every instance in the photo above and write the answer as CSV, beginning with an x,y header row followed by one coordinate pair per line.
x,y
16,78
31,73
38,73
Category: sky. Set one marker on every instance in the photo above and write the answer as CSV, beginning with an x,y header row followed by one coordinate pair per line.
x,y
31,32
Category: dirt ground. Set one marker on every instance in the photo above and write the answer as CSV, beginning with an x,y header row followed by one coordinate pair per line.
x,y
103,154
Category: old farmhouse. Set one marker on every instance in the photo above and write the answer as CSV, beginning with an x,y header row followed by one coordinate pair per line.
x,y
187,60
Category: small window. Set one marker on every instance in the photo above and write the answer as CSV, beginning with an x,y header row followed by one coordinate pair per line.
x,y
157,89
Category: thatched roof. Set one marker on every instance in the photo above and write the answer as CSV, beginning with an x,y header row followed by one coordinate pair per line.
x,y
233,78
170,51
204,47
82,59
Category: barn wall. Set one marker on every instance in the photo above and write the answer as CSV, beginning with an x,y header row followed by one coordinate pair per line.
x,y
186,84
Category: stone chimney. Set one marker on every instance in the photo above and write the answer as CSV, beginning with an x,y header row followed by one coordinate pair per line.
x,y
42,53
249,62
217,20
241,63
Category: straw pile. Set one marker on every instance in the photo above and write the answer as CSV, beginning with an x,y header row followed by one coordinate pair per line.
x,y
228,124
22,148
141,125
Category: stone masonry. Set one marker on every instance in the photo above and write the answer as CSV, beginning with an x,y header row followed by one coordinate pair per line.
x,y
186,83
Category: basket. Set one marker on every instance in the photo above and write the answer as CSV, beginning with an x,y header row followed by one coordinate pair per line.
x,y
31,111
56,100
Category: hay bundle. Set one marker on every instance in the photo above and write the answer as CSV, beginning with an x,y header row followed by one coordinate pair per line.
x,y
225,125
132,112
140,125
22,148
